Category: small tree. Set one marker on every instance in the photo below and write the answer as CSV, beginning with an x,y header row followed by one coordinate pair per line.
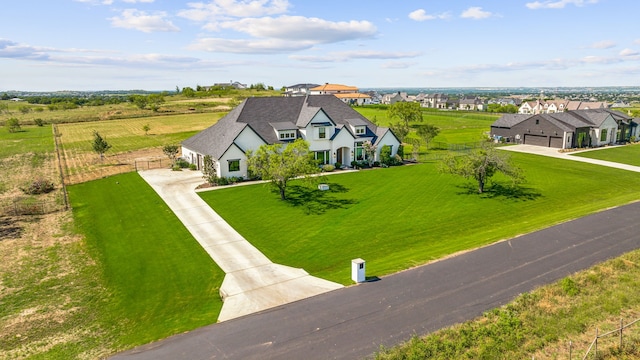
x,y
481,165
406,111
146,129
415,148
400,129
280,163
209,173
427,132
13,125
100,144
370,151
172,153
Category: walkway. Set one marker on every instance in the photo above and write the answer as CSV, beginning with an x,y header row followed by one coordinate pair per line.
x,y
252,283
553,152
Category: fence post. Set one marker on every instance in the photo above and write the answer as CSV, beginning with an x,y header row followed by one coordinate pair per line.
x,y
595,349
570,349
621,327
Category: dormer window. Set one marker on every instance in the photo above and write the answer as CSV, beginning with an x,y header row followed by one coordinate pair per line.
x,y
287,134
322,133
361,130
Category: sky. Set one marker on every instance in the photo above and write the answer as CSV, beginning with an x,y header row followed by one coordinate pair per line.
x,y
51,45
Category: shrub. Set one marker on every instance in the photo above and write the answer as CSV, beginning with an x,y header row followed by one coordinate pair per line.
x,y
385,155
328,168
569,286
39,186
338,165
182,163
400,151
632,139
354,164
38,121
193,167
13,125
376,164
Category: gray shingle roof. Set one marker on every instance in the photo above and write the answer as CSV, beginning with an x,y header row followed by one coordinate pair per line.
x,y
508,120
568,121
263,114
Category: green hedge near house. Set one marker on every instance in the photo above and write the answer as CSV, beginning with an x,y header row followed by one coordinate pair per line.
x,y
400,217
160,279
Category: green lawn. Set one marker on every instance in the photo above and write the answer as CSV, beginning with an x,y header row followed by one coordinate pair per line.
x,y
32,139
161,280
400,217
629,154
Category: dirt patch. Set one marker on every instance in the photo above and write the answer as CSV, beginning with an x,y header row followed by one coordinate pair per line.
x,y
83,166
9,228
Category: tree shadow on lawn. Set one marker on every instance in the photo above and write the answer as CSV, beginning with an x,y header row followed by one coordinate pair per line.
x,y
497,190
315,201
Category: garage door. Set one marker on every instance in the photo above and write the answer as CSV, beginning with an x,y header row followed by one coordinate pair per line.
x,y
555,142
539,140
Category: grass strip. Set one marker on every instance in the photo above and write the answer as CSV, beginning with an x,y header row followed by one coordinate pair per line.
x,y
161,281
629,154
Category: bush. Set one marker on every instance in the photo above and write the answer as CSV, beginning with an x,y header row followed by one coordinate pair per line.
x,y
193,167
338,165
38,121
376,164
40,186
182,163
385,155
328,168
632,139
13,125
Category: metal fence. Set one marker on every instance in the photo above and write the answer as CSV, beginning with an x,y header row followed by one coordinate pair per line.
x,y
151,164
30,206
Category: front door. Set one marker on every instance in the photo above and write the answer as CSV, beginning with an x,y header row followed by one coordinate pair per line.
x,y
339,156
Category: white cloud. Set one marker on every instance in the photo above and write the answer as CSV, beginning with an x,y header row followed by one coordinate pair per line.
x,y
303,29
629,52
476,13
217,10
248,46
142,21
421,15
342,56
558,4
605,44
398,65
138,1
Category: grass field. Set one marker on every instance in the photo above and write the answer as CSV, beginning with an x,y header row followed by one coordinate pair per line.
x,y
159,279
401,217
32,139
629,154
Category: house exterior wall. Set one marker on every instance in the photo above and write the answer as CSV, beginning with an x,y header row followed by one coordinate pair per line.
x,y
233,153
191,156
387,139
611,127
248,140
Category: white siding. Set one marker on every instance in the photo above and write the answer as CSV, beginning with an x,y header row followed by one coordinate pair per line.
x,y
387,139
248,140
233,153
612,129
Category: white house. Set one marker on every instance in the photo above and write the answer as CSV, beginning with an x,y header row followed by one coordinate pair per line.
x,y
336,133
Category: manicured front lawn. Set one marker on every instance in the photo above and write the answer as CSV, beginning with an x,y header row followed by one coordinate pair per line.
x,y
400,217
629,154
161,281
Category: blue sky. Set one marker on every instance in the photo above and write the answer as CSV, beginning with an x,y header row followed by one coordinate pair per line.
x,y
48,45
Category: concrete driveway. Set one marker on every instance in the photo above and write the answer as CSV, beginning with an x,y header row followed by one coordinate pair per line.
x,y
553,152
252,282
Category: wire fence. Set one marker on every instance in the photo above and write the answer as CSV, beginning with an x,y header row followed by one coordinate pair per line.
x,y
615,333
31,206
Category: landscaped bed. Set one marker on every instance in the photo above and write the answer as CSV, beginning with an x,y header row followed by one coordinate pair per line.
x,y
401,217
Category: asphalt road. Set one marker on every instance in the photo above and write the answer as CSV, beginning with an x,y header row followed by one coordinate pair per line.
x,y
353,322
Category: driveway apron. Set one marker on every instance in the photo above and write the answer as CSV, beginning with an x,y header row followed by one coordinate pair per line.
x,y
252,282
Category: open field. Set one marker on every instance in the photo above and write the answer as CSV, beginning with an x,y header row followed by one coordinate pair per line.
x,y
32,139
401,217
128,140
540,324
629,154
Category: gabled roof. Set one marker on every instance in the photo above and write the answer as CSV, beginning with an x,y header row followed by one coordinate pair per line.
x,y
568,121
352,96
263,115
508,120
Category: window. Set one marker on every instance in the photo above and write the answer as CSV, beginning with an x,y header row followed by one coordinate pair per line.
x,y
322,157
537,122
359,152
287,134
603,135
322,133
234,165
360,130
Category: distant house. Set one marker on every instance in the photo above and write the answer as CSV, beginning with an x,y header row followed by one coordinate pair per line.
x,y
231,84
436,101
336,133
471,103
393,98
330,89
299,89
564,130
554,106
354,98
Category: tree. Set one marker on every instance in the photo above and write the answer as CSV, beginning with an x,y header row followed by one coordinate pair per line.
x,y
13,125
188,92
481,165
405,111
172,152
427,132
400,129
154,101
146,129
100,144
280,163
370,151
209,173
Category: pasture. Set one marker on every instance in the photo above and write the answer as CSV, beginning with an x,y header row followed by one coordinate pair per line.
x,y
405,216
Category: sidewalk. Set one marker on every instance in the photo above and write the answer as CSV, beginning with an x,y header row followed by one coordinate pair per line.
x,y
252,282
553,152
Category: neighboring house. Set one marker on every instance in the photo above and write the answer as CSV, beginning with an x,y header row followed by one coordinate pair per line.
x,y
436,101
299,89
564,130
354,98
471,103
327,89
393,98
335,132
554,106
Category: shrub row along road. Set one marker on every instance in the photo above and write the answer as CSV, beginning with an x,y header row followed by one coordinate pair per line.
x,y
353,322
